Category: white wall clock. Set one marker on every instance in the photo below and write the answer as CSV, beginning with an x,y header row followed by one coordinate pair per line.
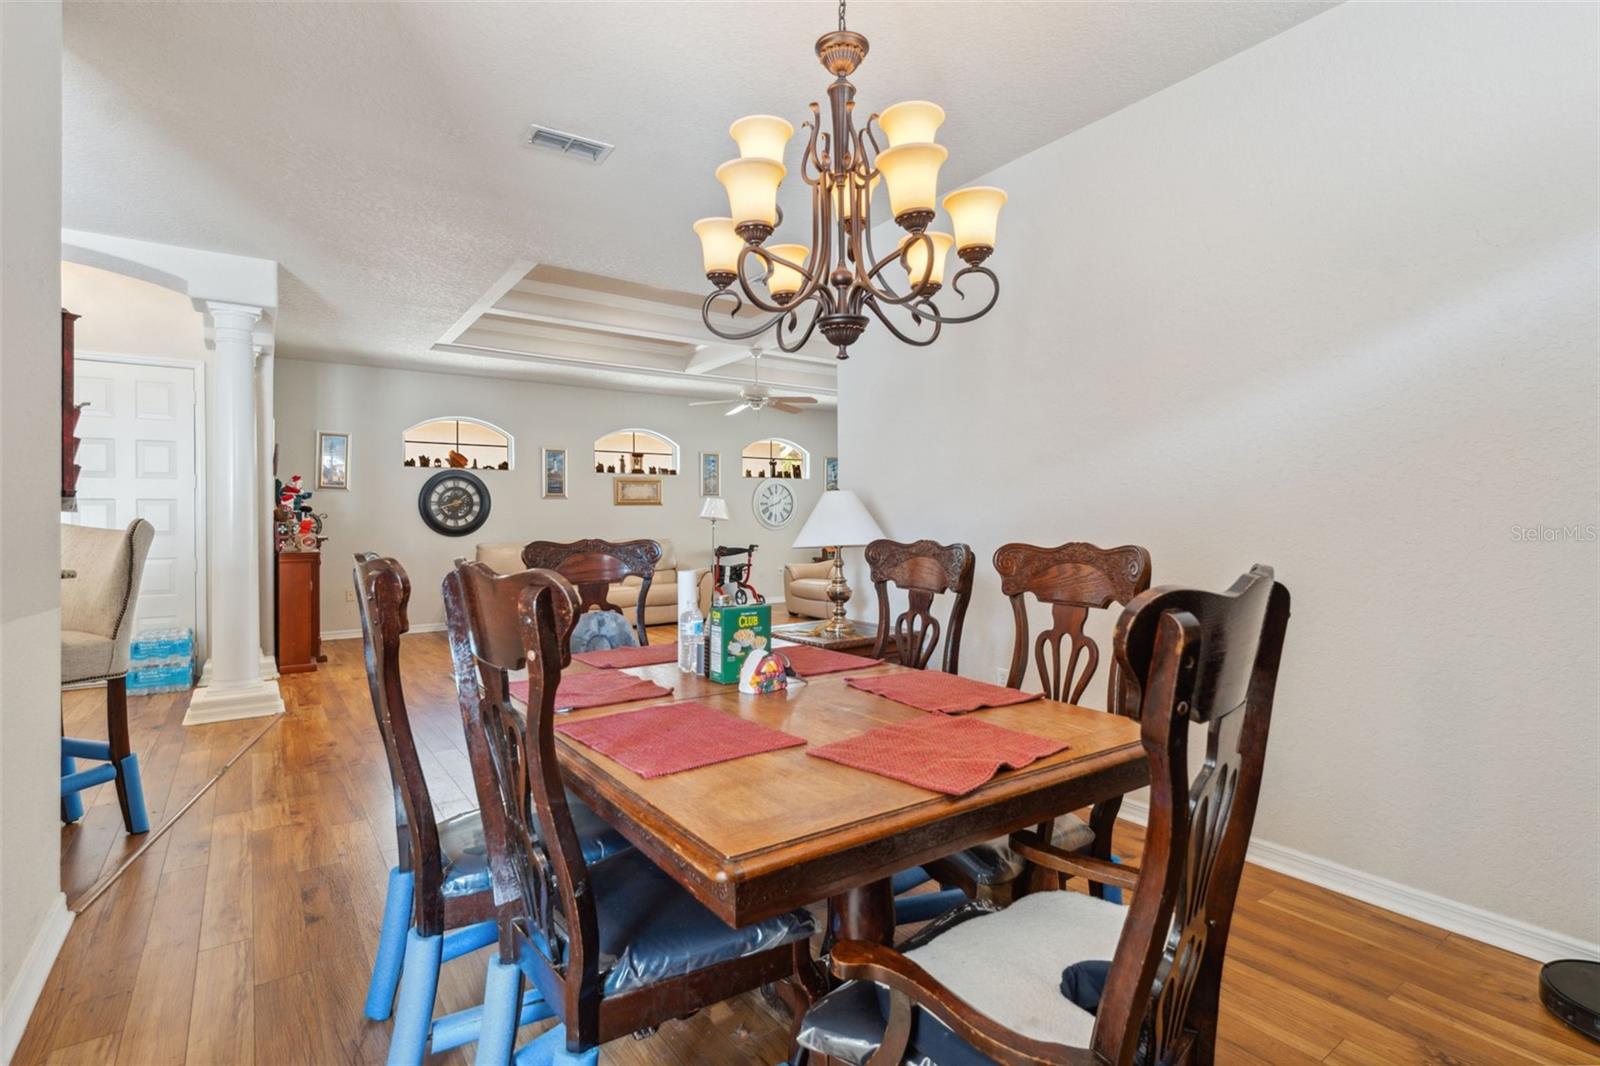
x,y
773,504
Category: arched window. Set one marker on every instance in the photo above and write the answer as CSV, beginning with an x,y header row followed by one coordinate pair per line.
x,y
486,446
635,451
775,457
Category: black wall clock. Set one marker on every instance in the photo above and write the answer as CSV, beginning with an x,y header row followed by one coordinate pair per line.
x,y
454,502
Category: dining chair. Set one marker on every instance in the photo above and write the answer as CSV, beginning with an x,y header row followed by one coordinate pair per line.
x,y
593,566
97,611
922,570
613,946
982,985
438,905
1072,579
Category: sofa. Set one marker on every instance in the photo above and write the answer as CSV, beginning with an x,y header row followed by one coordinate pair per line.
x,y
805,589
660,605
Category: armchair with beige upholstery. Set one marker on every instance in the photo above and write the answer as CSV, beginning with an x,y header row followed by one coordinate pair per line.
x,y
97,609
805,589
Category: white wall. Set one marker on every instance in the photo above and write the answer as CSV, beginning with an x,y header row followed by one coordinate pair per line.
x,y
379,512
128,316
1329,305
33,915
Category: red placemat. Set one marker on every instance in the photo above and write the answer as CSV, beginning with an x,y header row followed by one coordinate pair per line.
x,y
670,737
578,691
813,662
622,658
949,755
934,690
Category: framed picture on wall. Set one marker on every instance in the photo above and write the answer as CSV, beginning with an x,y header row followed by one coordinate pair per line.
x,y
830,477
555,473
636,492
333,460
711,473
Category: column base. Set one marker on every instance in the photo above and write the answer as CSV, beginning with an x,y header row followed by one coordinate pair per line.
x,y
251,699
269,670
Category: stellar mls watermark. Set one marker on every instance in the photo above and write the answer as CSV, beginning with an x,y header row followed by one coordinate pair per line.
x,y
1542,534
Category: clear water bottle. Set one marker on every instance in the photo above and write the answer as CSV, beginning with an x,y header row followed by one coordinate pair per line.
x,y
692,640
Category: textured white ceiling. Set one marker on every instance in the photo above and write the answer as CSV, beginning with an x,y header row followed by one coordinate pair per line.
x,y
376,150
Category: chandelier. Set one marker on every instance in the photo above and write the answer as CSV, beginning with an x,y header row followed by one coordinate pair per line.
x,y
833,283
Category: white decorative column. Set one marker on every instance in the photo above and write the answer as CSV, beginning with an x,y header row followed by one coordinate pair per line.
x,y
265,549
232,686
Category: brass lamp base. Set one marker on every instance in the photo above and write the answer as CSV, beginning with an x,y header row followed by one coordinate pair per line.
x,y
837,627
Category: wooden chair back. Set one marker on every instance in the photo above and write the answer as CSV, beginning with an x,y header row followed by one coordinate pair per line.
x,y
1210,659
924,570
593,566
383,592
1074,579
498,624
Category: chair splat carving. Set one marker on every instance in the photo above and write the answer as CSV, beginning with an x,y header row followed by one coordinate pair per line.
x,y
924,569
593,566
1073,578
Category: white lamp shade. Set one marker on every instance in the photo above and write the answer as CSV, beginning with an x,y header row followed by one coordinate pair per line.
x,y
911,122
752,185
714,509
912,173
914,256
761,136
782,280
719,244
839,520
975,214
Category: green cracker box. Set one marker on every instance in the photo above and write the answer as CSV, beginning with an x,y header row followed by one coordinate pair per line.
x,y
736,631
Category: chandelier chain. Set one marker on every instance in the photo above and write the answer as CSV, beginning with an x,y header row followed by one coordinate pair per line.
x,y
841,14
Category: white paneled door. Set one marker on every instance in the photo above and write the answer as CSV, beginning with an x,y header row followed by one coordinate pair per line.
x,y
137,460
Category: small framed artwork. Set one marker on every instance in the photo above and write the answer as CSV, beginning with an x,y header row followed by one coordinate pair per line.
x,y
555,474
333,460
711,473
636,492
830,471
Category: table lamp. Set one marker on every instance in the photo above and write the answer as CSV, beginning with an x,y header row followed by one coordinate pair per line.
x,y
839,520
714,510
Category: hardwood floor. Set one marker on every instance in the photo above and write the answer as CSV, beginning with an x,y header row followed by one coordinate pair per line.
x,y
245,933
175,763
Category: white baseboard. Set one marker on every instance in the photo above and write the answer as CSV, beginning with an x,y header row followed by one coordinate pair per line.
x,y
355,634
30,980
1511,934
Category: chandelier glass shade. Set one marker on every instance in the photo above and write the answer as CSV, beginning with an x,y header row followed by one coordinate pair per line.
x,y
834,283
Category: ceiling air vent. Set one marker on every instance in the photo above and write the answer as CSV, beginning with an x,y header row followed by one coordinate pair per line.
x,y
569,144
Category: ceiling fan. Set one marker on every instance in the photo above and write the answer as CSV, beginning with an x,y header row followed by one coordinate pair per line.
x,y
756,396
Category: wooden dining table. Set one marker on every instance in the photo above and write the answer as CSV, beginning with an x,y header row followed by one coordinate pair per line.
x,y
756,836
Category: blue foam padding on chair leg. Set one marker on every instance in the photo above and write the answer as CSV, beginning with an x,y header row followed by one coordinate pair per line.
x,y
391,945
82,779
138,818
497,1033
463,1026
906,880
470,938
925,906
1112,893
413,1014
71,802
550,1049
86,749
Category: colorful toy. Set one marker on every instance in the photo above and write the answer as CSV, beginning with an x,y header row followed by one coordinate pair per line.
x,y
763,672
296,527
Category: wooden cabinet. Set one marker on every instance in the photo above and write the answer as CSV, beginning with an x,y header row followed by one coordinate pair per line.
x,y
299,612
